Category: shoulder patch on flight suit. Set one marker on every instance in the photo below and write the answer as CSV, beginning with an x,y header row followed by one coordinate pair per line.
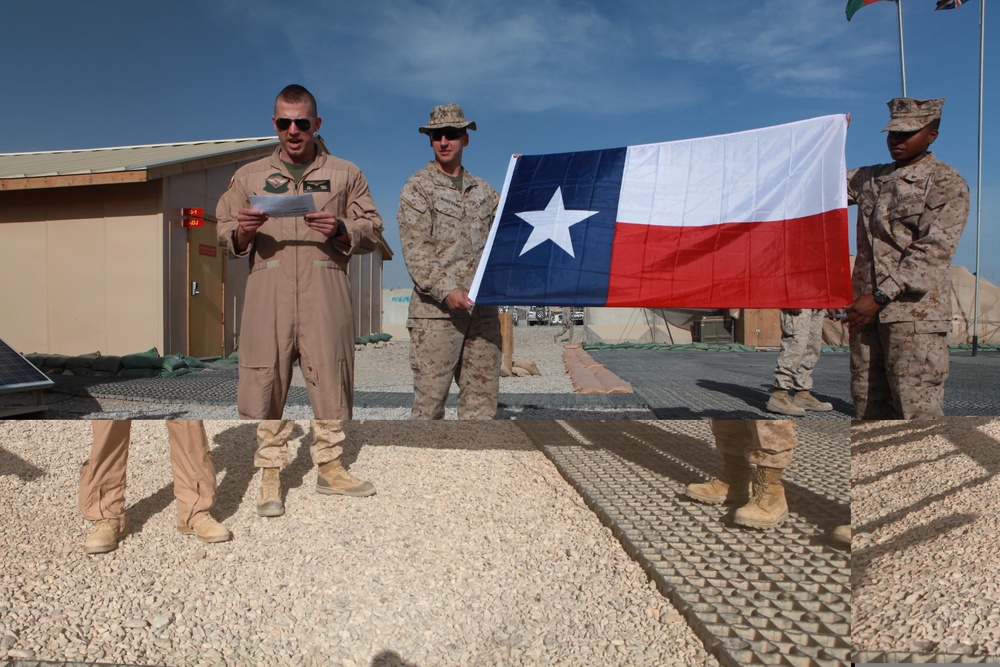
x,y
276,184
316,186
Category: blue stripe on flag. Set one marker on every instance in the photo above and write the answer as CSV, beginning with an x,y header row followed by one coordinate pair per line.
x,y
547,274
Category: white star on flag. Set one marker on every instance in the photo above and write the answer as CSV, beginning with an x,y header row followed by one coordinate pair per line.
x,y
553,224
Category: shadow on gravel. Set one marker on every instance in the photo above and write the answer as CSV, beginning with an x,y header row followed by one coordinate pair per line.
x,y
12,464
389,658
982,449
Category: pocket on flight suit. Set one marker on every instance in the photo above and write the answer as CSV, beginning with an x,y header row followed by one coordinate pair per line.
x,y
254,391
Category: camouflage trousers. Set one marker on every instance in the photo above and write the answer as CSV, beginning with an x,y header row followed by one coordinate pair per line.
x,y
567,326
272,442
801,341
898,371
764,442
466,350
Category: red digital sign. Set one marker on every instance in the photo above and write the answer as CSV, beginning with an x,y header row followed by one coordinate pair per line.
x,y
193,217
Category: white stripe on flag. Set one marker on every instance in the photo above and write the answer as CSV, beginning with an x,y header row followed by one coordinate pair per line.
x,y
774,173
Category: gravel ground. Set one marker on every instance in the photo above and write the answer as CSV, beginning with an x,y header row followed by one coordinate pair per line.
x,y
388,368
384,369
925,499
473,552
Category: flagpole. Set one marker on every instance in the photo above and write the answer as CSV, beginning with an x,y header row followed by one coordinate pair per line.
x,y
979,176
902,57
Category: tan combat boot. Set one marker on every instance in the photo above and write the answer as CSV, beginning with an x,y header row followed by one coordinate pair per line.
x,y
842,535
733,486
782,404
333,479
807,401
207,529
768,508
270,503
105,536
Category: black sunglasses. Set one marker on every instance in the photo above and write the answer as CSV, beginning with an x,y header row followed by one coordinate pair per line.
x,y
449,133
284,123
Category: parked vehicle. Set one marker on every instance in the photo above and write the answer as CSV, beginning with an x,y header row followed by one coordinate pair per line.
x,y
577,315
538,315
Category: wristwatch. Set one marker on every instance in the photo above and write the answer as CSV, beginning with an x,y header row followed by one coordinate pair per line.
x,y
881,298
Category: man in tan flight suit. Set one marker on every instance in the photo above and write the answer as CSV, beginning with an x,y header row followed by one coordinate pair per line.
x,y
298,299
444,220
102,483
911,214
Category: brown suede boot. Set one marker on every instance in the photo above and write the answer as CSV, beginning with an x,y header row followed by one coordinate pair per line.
x,y
807,401
768,508
733,486
270,503
207,529
333,479
105,536
781,404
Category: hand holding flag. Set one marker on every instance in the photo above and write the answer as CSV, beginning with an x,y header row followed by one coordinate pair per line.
x,y
754,219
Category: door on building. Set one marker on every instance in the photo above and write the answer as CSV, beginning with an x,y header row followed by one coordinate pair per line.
x,y
206,315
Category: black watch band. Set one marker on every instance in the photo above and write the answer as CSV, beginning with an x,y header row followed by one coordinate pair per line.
x,y
881,298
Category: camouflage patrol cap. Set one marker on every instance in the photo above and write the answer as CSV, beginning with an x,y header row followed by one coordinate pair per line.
x,y
910,115
447,115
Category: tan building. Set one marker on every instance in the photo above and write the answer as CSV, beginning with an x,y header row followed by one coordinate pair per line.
x,y
95,256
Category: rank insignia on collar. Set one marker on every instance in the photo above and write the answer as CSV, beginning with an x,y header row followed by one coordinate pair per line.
x,y
276,184
316,186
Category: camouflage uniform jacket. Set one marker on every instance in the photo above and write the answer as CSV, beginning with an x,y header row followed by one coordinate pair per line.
x,y
909,223
443,231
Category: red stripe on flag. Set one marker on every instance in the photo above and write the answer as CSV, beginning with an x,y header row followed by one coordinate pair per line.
x,y
799,263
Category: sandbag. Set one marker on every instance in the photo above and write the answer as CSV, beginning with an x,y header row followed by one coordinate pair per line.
x,y
170,363
82,361
109,364
55,362
141,360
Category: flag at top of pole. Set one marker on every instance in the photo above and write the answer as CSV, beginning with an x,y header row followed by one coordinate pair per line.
x,y
854,5
948,4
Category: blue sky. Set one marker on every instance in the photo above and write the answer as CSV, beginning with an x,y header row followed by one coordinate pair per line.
x,y
537,76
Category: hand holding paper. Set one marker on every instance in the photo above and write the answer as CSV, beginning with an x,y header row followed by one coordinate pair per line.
x,y
284,206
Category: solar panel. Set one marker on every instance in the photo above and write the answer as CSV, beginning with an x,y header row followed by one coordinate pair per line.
x,y
19,374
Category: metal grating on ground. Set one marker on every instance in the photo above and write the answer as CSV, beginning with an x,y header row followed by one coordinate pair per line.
x,y
687,384
668,384
217,386
769,598
683,384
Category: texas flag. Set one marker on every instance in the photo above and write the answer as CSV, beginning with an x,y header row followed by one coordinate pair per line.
x,y
755,219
